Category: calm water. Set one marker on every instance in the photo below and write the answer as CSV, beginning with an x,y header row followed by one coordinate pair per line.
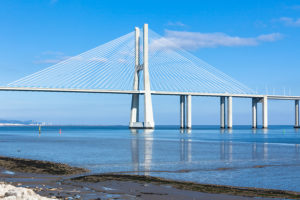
x,y
241,157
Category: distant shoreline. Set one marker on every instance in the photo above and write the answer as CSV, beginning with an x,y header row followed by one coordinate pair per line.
x,y
127,126
57,125
8,124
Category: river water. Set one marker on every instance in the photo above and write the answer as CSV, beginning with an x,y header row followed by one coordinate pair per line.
x,y
240,157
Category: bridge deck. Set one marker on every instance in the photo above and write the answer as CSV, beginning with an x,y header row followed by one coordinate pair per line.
x,y
276,97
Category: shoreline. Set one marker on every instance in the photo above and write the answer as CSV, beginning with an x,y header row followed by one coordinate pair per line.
x,y
57,179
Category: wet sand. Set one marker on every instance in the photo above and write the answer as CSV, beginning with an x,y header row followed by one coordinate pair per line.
x,y
63,181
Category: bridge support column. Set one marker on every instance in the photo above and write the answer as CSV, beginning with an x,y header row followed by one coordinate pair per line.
x,y
254,112
296,113
189,111
182,111
148,110
222,112
134,117
229,112
265,111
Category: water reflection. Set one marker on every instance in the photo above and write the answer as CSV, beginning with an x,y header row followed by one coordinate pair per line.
x,y
188,149
147,136
135,150
265,147
254,151
259,151
185,149
264,130
226,149
297,150
188,131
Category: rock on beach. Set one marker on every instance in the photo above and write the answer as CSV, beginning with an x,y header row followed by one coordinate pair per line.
x,y
10,192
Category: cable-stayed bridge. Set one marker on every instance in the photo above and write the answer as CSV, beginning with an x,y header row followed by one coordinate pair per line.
x,y
145,64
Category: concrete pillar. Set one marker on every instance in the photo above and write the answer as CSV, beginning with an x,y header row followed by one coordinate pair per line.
x,y
229,112
188,111
182,111
222,112
254,112
148,110
134,116
296,113
265,111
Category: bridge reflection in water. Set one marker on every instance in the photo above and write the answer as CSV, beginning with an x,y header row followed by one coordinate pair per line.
x,y
143,147
147,151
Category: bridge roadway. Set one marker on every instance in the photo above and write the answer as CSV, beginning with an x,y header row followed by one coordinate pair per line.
x,y
185,103
74,90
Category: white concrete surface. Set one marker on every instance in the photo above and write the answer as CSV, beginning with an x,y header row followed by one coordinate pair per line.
x,y
134,115
229,112
254,112
265,111
148,110
296,113
189,111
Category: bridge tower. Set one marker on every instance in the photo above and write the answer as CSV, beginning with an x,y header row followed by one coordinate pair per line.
x,y
148,110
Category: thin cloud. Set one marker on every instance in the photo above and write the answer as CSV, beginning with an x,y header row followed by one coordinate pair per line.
x,y
51,61
294,7
176,24
288,21
272,37
51,57
56,53
196,40
47,61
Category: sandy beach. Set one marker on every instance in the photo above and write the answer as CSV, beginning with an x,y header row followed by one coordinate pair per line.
x,y
61,181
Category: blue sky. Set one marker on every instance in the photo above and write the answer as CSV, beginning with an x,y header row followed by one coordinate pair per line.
x,y
255,41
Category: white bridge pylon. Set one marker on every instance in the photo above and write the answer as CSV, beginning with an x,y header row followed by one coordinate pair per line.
x,y
148,109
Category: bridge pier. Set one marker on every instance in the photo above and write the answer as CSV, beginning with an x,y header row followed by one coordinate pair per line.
x,y
265,111
254,112
222,112
189,111
182,111
186,111
148,110
229,112
134,116
264,101
296,113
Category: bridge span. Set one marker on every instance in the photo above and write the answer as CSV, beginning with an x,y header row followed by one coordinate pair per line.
x,y
117,67
186,103
76,90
